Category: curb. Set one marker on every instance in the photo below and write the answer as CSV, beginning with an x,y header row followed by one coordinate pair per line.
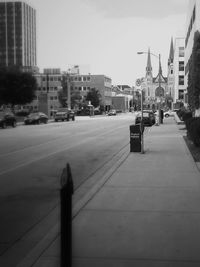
x,y
33,256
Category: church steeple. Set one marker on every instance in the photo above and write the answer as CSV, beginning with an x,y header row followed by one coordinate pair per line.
x,y
171,53
149,67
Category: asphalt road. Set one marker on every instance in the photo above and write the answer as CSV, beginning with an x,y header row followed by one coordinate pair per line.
x,y
31,161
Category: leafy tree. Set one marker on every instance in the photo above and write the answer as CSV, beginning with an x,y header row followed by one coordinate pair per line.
x,y
94,96
75,99
16,87
194,74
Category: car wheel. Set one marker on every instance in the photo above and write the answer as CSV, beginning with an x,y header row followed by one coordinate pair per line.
x,y
73,118
38,122
166,115
56,120
14,124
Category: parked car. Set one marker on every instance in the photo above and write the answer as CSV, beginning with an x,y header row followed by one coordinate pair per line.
x,y
168,113
148,118
7,118
112,112
36,118
64,114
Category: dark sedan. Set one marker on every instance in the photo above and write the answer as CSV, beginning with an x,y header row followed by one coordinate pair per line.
x,y
7,119
36,118
148,118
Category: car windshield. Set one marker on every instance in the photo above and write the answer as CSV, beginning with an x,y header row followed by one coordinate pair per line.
x,y
145,114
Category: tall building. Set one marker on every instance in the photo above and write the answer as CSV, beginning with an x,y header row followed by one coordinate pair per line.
x,y
178,94
17,35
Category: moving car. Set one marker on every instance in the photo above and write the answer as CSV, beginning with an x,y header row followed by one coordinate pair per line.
x,y
64,114
112,112
148,118
36,118
7,118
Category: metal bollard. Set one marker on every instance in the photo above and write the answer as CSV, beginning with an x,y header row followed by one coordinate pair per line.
x,y
66,193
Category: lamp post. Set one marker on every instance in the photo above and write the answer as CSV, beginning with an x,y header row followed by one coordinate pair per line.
x,y
159,81
138,83
141,125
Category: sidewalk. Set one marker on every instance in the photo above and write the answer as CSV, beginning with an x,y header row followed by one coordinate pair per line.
x,y
147,213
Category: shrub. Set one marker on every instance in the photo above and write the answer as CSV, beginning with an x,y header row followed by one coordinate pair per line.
x,y
193,130
187,115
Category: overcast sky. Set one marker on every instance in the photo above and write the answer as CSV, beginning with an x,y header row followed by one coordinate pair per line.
x,y
104,36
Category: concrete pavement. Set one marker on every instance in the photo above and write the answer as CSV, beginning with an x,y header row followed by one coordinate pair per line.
x,y
144,212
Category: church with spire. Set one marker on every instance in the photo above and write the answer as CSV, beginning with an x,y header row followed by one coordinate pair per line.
x,y
154,89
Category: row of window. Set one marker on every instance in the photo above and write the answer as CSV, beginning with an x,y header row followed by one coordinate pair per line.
x,y
80,78
48,88
190,25
51,98
51,78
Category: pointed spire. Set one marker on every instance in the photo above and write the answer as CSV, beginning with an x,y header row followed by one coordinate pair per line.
x,y
160,68
171,53
149,67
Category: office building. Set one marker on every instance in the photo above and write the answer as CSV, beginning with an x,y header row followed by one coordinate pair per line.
x,y
17,35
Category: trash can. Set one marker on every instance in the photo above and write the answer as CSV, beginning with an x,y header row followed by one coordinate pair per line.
x,y
135,138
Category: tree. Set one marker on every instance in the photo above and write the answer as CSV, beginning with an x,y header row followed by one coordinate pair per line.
x,y
94,96
16,87
194,74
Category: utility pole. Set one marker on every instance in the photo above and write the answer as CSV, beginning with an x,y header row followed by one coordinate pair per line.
x,y
159,85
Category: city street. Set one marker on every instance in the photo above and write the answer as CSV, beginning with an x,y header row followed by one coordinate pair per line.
x,y
32,158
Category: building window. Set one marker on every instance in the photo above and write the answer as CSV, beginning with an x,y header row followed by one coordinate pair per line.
x,y
181,65
181,80
88,88
181,52
88,78
79,79
181,94
171,71
84,79
80,88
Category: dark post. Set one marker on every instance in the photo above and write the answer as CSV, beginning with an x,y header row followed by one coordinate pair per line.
x,y
66,216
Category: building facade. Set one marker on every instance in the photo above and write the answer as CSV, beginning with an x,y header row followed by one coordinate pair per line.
x,y
192,25
46,99
155,88
83,84
179,89
17,35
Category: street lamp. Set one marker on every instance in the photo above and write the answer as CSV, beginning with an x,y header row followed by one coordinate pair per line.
x,y
159,81
141,124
